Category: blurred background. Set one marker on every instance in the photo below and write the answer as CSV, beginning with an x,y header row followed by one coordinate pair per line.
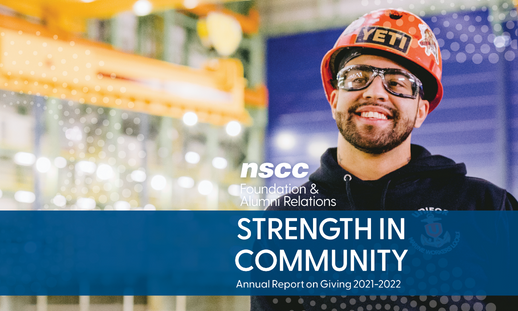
x,y
155,104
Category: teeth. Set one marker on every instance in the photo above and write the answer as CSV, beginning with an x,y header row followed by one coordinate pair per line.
x,y
374,115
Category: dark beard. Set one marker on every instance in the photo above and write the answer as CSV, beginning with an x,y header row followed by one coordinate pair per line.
x,y
369,139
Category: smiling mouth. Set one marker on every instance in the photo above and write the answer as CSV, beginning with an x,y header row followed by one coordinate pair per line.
x,y
373,115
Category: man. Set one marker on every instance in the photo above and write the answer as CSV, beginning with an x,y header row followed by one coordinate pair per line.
x,y
382,78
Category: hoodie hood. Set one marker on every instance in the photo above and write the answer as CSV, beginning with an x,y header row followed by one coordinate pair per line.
x,y
372,194
422,163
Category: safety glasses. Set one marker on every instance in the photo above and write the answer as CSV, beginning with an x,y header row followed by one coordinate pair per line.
x,y
397,82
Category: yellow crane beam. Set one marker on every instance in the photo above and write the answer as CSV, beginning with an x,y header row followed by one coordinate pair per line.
x,y
93,9
90,73
71,15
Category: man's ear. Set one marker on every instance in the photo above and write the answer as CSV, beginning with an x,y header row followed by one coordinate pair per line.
x,y
333,100
422,112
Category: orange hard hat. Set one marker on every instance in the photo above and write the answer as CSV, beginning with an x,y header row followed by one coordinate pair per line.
x,y
395,34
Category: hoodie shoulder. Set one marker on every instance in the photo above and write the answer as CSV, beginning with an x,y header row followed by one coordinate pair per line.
x,y
489,195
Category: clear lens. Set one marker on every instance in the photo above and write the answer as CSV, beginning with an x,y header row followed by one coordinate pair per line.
x,y
396,81
400,83
357,78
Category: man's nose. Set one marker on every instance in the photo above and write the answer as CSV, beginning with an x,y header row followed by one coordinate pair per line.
x,y
376,90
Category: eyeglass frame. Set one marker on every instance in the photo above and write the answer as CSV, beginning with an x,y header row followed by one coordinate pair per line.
x,y
381,73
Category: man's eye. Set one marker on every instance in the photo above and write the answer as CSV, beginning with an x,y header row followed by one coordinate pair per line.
x,y
357,80
395,83
398,82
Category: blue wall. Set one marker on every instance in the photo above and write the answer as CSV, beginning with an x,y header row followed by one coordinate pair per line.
x,y
475,122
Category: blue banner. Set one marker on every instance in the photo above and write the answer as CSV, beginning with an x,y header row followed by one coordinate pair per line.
x,y
258,253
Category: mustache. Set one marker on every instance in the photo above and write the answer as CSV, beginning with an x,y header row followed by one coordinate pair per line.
x,y
394,112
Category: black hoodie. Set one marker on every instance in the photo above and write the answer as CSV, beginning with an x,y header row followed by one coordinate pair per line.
x,y
427,182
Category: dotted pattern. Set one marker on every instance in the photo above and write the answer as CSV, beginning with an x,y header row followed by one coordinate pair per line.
x,y
468,37
89,138
396,303
104,148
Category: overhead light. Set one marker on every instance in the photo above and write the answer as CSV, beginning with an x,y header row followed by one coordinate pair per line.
x,y
225,32
59,200
104,172
24,158
24,196
85,203
186,182
43,165
138,175
192,157
233,128
190,118
158,182
74,134
205,187
60,162
149,207
142,7
122,206
502,41
190,4
86,167
219,163
285,141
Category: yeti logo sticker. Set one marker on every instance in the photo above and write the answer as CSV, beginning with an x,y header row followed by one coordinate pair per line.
x,y
434,240
434,231
388,37
428,42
